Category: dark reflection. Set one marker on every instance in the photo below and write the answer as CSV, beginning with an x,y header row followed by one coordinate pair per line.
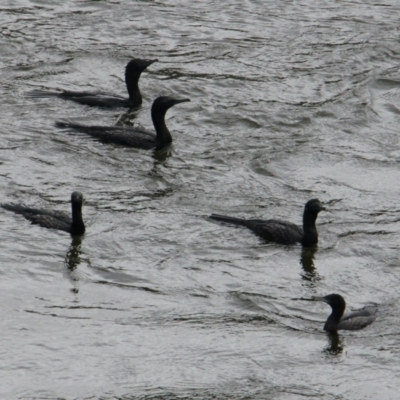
x,y
127,118
335,345
73,256
73,259
161,155
307,262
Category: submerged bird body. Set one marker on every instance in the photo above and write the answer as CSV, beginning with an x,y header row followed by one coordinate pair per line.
x,y
54,219
88,99
272,230
115,134
134,137
282,232
351,322
132,74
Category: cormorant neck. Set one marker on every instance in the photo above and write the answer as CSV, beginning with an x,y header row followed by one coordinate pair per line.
x,y
132,85
333,320
77,227
310,234
163,136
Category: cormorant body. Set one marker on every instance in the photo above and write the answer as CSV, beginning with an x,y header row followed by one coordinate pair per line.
x,y
134,137
54,219
351,322
282,232
133,71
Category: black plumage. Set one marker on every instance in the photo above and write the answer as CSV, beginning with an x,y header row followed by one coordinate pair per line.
x,y
54,219
133,71
283,232
134,137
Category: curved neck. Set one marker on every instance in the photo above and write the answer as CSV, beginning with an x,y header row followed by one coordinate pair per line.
x,y
333,320
77,227
132,85
310,234
163,136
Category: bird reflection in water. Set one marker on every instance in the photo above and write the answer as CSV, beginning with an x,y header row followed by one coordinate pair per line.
x,y
307,262
72,260
334,346
160,156
127,118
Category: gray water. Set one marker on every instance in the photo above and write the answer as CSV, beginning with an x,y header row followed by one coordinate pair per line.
x,y
289,101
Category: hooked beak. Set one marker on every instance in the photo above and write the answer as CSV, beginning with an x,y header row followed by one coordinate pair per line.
x,y
181,101
316,298
149,62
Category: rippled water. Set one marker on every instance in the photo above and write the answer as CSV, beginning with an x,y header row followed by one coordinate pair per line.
x,y
289,101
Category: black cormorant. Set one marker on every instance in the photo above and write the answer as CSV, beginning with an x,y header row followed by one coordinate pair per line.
x,y
54,219
134,137
282,232
132,74
352,322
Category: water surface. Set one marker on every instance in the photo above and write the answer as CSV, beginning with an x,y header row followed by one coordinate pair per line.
x,y
289,101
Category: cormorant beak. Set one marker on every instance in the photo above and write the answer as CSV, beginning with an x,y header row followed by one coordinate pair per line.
x,y
181,101
149,62
316,298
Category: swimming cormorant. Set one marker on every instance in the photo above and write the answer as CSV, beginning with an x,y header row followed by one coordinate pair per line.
x,y
132,74
282,232
352,322
134,137
54,219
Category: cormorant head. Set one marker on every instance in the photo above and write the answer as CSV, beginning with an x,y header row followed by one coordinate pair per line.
x,y
138,65
336,301
314,206
163,103
76,198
